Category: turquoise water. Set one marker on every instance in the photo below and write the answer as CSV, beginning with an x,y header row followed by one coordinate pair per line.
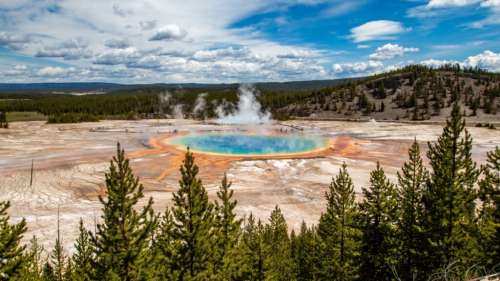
x,y
242,144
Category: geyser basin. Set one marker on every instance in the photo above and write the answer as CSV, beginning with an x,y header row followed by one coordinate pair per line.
x,y
246,144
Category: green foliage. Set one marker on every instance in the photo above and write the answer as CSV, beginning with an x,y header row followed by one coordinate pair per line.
x,y
84,256
253,249
378,214
227,230
450,197
278,263
193,221
124,234
306,251
338,230
410,221
11,258
489,216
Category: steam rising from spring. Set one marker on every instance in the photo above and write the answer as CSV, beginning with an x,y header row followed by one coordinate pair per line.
x,y
248,110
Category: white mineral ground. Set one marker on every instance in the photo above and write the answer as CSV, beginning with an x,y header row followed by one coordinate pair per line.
x,y
70,161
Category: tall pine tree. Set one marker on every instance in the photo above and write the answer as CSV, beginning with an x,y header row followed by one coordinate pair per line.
x,y
278,264
378,216
449,197
227,229
412,180
193,223
339,231
124,234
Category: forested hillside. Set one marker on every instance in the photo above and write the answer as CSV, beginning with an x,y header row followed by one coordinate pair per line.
x,y
412,93
436,224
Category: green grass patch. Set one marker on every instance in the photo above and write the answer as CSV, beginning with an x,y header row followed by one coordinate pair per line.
x,y
25,116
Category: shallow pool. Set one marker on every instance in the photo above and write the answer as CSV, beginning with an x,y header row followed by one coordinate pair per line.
x,y
247,144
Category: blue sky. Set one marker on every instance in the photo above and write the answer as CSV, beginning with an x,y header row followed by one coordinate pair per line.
x,y
146,41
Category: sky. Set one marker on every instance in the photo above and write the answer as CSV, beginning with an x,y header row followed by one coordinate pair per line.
x,y
214,41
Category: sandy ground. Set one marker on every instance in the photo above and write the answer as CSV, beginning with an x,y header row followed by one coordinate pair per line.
x,y
70,161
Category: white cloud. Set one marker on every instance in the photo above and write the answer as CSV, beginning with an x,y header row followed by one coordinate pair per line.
x,y
73,49
358,68
436,63
441,8
169,32
389,51
450,3
14,41
486,60
54,71
491,4
377,30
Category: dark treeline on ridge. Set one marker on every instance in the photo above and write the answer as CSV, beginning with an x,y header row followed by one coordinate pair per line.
x,y
413,92
441,223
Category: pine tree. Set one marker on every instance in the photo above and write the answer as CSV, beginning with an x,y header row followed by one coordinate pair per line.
x,y
33,265
278,264
227,227
378,214
83,258
411,181
489,215
193,223
338,230
124,233
11,251
449,197
306,252
163,249
253,249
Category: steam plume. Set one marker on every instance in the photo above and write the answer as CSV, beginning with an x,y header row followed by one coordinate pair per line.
x,y
248,110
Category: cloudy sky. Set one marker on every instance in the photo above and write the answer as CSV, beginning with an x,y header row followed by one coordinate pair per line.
x,y
145,41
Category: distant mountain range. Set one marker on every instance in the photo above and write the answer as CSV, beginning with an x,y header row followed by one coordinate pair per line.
x,y
108,87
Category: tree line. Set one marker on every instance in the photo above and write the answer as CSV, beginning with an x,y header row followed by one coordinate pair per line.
x,y
441,223
419,90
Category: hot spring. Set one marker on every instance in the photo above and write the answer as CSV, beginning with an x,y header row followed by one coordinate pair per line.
x,y
248,144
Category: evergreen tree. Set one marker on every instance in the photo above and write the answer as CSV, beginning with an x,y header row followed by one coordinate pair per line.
x,y
11,251
193,223
489,217
338,230
278,264
83,257
163,251
124,233
253,249
227,227
306,253
33,264
378,214
411,181
449,197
